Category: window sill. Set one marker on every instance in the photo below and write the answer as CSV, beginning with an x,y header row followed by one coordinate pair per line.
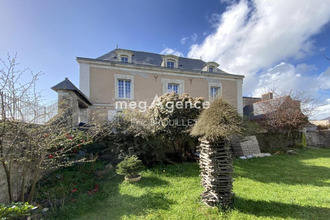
x,y
124,99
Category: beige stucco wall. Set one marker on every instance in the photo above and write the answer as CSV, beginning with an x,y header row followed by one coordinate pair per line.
x,y
148,82
146,86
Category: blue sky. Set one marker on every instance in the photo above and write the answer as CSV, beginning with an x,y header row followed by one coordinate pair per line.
x,y
273,43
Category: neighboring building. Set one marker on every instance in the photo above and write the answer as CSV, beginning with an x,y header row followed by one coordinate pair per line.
x,y
323,123
256,108
126,75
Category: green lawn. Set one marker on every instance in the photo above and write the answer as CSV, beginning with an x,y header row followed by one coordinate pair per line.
x,y
277,187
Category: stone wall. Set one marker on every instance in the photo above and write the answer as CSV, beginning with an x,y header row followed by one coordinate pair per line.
x,y
16,173
318,138
16,180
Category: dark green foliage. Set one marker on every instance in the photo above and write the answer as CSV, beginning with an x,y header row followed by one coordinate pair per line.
x,y
173,116
250,127
15,210
130,134
151,136
273,142
218,122
173,120
130,166
63,186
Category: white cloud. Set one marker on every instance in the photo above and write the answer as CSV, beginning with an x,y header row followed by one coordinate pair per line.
x,y
324,79
322,111
168,50
254,38
194,37
183,40
286,77
249,38
305,68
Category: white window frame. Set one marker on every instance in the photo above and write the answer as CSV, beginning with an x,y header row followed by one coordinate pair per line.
x,y
172,62
217,92
124,56
124,77
211,68
170,58
179,82
121,53
173,84
215,85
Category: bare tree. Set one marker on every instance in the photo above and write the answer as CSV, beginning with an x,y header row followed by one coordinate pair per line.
x,y
26,147
285,114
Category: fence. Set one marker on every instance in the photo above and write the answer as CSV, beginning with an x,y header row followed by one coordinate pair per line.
x,y
16,108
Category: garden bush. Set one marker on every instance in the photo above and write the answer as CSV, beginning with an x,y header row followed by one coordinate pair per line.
x,y
15,210
130,166
173,116
130,133
154,136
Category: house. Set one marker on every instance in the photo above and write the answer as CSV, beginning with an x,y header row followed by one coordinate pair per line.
x,y
257,108
126,76
322,123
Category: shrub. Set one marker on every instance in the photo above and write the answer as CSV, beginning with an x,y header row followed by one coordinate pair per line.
x,y
218,122
15,210
250,127
130,134
130,166
173,116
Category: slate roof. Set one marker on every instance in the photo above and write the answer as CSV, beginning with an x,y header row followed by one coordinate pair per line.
x,y
66,84
153,59
258,109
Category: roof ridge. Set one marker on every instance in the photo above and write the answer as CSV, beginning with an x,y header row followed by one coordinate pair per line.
x,y
155,54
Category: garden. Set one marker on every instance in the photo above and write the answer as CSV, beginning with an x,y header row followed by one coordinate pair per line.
x,y
277,187
154,165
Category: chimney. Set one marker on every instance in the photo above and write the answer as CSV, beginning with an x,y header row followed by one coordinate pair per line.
x,y
267,96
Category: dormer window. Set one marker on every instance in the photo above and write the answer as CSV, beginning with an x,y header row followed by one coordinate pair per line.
x,y
124,56
210,67
170,61
124,59
170,64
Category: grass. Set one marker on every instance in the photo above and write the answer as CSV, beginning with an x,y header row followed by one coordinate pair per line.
x,y
277,187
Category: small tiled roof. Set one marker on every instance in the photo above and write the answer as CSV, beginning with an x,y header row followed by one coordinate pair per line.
x,y
153,59
66,84
258,109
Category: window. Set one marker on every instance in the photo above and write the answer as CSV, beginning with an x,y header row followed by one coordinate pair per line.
x,y
171,87
170,64
214,92
124,59
210,67
124,86
124,89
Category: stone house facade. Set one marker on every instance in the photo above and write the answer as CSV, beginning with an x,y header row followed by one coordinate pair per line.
x,y
127,76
